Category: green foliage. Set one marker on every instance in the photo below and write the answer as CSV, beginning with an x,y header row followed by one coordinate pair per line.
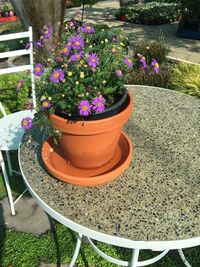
x,y
190,10
151,50
186,79
162,79
10,27
82,81
12,100
12,44
152,13
6,8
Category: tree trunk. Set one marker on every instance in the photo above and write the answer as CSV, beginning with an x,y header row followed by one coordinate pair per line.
x,y
17,6
44,12
37,13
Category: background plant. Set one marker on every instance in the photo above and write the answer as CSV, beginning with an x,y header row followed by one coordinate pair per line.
x,y
190,10
186,79
12,100
150,13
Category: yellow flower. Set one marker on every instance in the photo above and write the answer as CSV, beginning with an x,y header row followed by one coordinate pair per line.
x,y
81,62
49,98
121,44
69,73
77,82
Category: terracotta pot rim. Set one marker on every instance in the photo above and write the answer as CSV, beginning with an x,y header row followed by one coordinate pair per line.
x,y
92,122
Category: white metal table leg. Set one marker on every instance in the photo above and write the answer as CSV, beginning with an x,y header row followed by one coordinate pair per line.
x,y
7,184
134,258
184,260
76,251
9,162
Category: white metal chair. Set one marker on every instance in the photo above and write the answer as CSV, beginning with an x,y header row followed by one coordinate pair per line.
x,y
11,132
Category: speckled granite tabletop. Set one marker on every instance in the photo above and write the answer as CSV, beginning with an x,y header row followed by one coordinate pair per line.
x,y
158,196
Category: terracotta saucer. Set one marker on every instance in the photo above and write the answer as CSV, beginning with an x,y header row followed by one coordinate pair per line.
x,y
60,167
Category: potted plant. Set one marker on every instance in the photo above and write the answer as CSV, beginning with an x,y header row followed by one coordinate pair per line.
x,y
189,23
81,94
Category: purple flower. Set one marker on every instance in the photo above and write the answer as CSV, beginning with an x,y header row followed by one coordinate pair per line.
x,y
39,44
28,45
118,73
128,62
69,44
98,103
84,108
46,104
66,50
57,76
38,70
88,29
93,61
19,85
47,31
76,57
77,42
26,123
155,65
142,60
59,59
72,24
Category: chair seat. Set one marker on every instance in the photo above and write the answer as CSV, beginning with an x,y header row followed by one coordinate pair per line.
x,y
11,132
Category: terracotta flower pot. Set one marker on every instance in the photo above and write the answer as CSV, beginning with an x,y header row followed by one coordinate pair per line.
x,y
91,144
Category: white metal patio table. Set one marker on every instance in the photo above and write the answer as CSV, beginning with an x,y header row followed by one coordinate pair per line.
x,y
155,203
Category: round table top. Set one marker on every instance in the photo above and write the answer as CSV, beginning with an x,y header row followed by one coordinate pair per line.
x,y
158,196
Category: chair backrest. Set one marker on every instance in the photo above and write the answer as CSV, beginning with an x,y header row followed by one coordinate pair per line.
x,y
20,52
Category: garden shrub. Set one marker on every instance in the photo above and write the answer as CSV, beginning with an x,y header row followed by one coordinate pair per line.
x,y
162,79
186,79
157,50
152,13
12,100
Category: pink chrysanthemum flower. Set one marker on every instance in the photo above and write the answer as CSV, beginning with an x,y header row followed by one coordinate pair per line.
x,y
57,76
88,29
38,70
66,50
98,104
93,60
155,65
128,62
118,73
84,108
77,42
26,123
46,104
47,31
